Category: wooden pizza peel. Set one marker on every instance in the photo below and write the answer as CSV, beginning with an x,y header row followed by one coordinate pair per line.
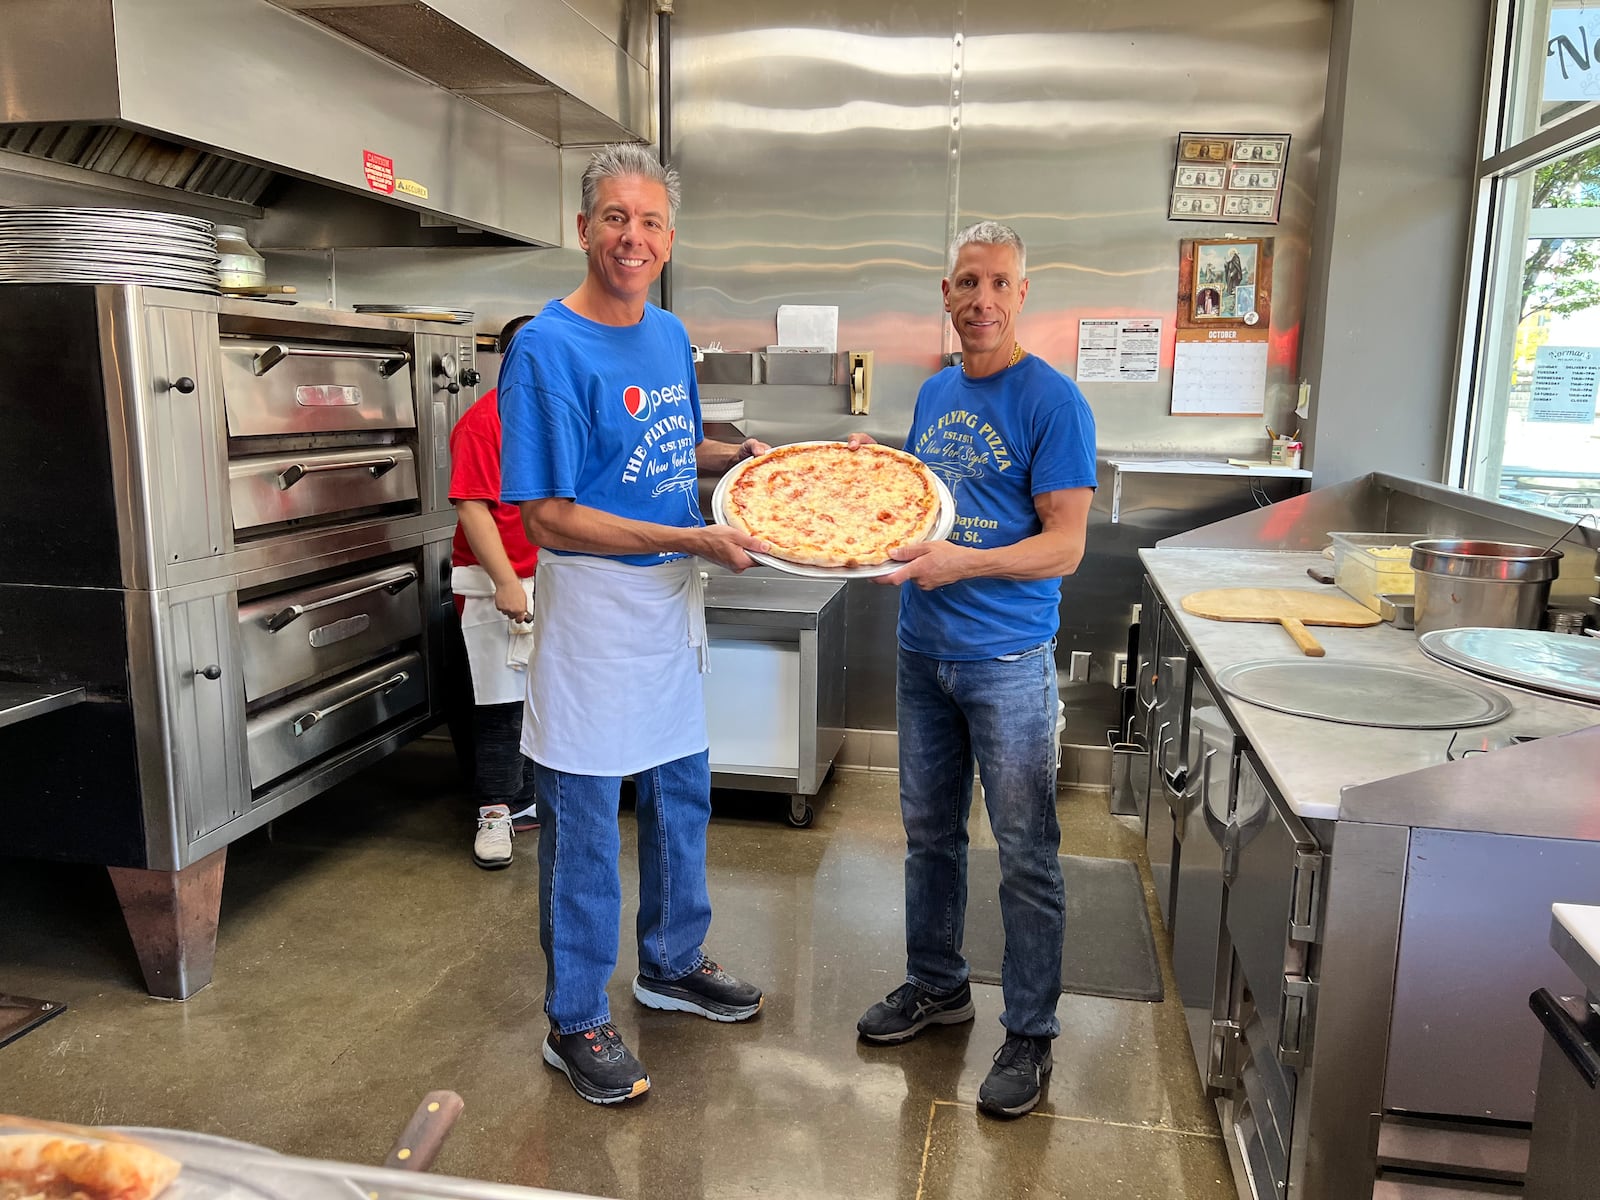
x,y
1293,608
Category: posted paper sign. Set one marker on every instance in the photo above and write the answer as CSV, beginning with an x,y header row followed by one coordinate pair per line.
x,y
1565,382
1119,350
1571,65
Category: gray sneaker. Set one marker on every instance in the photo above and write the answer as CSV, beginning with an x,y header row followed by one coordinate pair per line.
x,y
1021,1067
909,1009
491,848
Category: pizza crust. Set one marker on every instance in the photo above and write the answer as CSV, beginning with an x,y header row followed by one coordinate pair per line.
x,y
51,1165
824,505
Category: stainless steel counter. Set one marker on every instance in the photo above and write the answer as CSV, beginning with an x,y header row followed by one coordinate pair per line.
x,y
779,600
1313,761
775,690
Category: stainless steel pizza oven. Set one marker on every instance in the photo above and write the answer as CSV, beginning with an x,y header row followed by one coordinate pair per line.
x,y
229,522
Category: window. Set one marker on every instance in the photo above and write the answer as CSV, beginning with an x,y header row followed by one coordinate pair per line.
x,y
1526,430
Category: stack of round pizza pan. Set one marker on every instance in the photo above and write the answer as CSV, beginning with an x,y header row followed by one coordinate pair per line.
x,y
107,245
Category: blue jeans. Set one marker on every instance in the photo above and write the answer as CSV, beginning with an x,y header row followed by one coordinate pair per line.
x,y
1003,712
580,890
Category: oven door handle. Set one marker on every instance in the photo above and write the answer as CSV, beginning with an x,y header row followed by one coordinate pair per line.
x,y
285,617
389,361
308,719
295,472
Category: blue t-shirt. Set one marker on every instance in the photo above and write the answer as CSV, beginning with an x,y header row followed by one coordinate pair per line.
x,y
606,415
997,442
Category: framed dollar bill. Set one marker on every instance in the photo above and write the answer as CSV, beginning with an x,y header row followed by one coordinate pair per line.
x,y
1196,206
1229,177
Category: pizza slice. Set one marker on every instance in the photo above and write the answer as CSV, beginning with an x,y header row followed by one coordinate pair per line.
x,y
50,1166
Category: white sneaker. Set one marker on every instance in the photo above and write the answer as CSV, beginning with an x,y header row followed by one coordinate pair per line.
x,y
491,848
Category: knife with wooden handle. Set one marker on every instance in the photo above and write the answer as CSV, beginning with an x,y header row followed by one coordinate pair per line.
x,y
419,1142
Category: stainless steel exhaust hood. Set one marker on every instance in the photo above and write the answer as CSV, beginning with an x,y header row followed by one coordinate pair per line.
x,y
577,78
206,96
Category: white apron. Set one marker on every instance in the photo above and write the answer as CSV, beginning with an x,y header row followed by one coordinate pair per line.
x,y
497,647
614,679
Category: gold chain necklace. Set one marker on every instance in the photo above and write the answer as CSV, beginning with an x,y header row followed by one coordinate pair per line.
x,y
1016,357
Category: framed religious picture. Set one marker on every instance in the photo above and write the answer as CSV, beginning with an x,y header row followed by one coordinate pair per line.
x,y
1229,177
1226,278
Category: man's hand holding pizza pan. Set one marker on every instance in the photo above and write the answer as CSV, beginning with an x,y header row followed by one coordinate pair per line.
x,y
1054,550
714,458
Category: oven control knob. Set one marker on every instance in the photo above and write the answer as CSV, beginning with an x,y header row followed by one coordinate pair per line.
x,y
470,378
444,374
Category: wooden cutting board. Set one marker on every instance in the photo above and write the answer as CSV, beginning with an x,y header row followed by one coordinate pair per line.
x,y
1293,608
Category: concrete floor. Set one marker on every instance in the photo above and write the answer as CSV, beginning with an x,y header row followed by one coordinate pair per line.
x,y
363,960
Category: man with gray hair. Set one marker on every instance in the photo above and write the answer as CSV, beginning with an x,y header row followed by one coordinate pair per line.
x,y
1014,440
602,444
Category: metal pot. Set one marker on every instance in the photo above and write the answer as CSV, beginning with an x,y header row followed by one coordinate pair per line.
x,y
239,266
1462,583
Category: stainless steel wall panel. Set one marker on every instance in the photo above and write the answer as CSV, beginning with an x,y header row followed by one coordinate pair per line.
x,y
827,156
1069,114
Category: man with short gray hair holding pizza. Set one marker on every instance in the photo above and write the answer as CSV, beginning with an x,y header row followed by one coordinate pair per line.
x,y
1013,439
602,445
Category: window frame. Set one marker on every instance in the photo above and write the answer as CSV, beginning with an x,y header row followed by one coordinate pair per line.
x,y
1501,161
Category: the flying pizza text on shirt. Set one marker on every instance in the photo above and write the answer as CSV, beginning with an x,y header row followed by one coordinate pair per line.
x,y
951,430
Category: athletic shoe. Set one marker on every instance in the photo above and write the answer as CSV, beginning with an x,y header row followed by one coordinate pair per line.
x,y
528,818
909,1009
707,990
599,1067
1020,1068
491,848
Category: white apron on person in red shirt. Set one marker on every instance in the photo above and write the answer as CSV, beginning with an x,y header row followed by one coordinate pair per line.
x,y
497,647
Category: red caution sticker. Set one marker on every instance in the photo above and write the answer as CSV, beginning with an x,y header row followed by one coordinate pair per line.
x,y
379,171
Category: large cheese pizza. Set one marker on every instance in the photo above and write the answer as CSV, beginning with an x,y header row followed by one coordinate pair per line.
x,y
825,505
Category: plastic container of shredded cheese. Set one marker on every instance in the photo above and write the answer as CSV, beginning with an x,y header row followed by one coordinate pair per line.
x,y
1367,565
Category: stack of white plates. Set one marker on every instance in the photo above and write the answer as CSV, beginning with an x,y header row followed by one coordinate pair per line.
x,y
107,245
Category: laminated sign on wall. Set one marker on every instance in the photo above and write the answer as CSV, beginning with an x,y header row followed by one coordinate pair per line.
x,y
1219,365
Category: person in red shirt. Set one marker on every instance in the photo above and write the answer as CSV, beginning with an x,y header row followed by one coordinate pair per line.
x,y
492,567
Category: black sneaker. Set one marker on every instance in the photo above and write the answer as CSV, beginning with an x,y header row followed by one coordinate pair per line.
x,y
707,990
909,1009
1020,1068
599,1066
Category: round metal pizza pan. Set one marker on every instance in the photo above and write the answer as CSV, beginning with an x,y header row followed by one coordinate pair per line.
x,y
1361,693
1556,664
942,526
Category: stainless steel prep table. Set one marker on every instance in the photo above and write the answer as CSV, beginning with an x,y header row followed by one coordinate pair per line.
x,y
1362,953
775,691
1311,761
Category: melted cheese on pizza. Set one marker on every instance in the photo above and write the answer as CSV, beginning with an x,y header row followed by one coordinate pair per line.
x,y
830,506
